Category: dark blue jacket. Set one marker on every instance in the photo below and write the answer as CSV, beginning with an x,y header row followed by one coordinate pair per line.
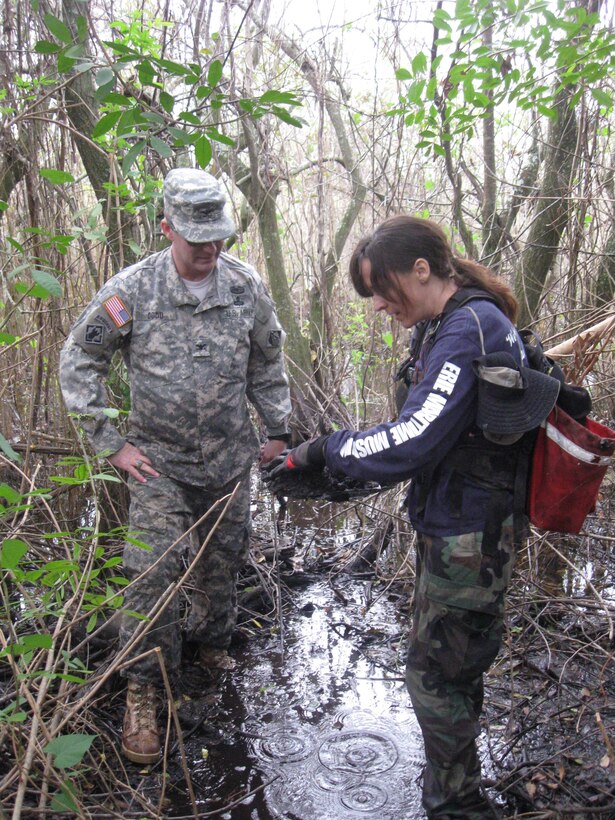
x,y
437,416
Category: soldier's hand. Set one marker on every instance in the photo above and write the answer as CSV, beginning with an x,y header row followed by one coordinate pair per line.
x,y
270,450
307,456
134,462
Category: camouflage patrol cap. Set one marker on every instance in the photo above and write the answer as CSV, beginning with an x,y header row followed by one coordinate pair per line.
x,y
194,205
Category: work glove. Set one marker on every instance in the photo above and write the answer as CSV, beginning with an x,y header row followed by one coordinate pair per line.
x,y
309,455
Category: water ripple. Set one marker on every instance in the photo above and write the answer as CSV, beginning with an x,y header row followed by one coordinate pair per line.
x,y
358,752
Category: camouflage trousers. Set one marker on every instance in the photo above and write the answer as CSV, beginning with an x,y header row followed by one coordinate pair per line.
x,y
160,513
458,620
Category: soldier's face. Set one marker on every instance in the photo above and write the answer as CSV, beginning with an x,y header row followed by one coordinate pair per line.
x,y
193,260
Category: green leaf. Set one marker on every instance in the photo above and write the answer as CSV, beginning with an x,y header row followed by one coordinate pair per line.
x,y
414,94
74,51
440,19
115,98
105,124
59,29
147,73
279,97
126,123
603,98
13,550
65,64
12,713
113,562
188,116
69,750
46,47
419,63
203,91
48,282
56,176
161,147
107,477
27,643
203,151
10,495
214,73
64,801
104,76
283,114
8,450
37,640
214,134
167,101
178,69
403,74
132,155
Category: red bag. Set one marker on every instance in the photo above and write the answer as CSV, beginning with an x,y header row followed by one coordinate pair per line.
x,y
568,464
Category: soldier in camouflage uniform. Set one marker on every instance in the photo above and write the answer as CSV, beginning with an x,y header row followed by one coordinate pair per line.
x,y
199,335
461,498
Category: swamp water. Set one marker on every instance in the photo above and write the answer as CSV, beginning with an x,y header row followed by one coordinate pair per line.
x,y
315,723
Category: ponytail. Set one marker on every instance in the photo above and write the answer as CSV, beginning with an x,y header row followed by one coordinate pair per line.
x,y
467,273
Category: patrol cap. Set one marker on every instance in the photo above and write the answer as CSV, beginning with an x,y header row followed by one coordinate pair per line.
x,y
512,399
194,205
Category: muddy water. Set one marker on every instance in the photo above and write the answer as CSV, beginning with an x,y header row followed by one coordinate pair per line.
x,y
315,723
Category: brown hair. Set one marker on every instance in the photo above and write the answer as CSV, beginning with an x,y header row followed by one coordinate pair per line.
x,y
399,241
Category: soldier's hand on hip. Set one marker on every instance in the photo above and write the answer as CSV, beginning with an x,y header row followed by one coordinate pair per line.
x,y
134,462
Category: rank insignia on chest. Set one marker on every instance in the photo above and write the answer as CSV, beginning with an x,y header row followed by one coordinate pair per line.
x,y
201,349
118,311
94,334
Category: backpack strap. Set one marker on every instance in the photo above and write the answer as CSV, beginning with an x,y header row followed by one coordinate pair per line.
x,y
500,468
464,295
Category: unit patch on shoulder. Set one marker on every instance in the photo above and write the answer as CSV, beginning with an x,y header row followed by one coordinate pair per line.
x,y
118,311
275,338
94,334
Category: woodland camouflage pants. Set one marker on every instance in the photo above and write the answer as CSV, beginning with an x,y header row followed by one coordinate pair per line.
x,y
456,634
160,513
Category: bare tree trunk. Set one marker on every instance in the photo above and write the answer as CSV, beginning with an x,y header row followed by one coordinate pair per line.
x,y
261,192
82,110
491,233
551,210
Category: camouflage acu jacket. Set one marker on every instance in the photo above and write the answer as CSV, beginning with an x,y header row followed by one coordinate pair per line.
x,y
191,367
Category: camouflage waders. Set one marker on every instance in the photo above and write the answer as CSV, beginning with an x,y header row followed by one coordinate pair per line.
x,y
456,634
160,512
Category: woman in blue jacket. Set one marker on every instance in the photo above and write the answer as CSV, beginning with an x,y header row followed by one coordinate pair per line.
x,y
460,500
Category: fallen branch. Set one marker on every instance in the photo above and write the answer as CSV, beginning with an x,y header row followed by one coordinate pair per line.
x,y
602,331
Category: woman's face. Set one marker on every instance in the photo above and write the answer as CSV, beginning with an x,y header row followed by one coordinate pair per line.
x,y
415,286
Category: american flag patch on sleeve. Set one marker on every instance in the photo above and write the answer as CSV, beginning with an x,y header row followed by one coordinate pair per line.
x,y
118,311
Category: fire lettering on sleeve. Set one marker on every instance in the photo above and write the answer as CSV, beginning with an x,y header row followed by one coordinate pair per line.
x,y
418,422
362,447
447,378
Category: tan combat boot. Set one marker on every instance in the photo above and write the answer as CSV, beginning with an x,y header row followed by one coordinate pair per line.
x,y
140,740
